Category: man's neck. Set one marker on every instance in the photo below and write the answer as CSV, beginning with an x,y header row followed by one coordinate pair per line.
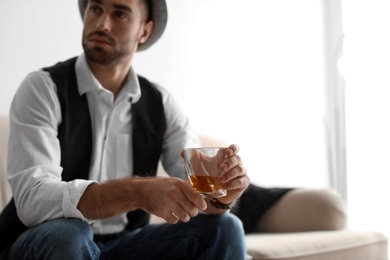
x,y
113,76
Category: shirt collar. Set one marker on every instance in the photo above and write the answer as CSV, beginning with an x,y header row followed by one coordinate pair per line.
x,y
87,82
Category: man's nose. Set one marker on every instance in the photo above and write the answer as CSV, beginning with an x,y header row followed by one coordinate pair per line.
x,y
104,23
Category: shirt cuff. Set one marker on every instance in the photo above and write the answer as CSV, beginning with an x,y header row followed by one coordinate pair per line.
x,y
72,194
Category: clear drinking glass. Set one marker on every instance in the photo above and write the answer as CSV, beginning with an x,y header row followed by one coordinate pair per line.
x,y
203,169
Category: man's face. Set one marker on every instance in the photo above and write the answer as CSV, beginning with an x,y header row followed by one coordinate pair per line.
x,y
113,29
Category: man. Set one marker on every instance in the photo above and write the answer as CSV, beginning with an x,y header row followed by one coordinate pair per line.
x,y
86,136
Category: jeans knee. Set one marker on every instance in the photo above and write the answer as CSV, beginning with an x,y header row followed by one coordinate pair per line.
x,y
231,226
61,230
230,220
225,235
63,238
224,226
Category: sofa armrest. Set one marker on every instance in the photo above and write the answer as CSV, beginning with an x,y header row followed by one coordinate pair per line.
x,y
5,189
305,210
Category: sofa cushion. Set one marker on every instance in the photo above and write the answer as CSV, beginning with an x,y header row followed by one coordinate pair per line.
x,y
305,210
318,245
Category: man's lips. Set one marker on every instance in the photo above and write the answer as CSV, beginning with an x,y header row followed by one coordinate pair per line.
x,y
100,38
100,41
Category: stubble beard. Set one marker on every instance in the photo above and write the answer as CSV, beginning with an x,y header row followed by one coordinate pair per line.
x,y
102,56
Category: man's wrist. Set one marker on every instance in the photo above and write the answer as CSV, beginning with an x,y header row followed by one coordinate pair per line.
x,y
219,205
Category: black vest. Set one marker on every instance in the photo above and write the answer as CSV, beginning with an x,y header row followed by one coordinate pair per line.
x,y
75,137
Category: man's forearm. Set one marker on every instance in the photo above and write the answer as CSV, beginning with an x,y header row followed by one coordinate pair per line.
x,y
109,199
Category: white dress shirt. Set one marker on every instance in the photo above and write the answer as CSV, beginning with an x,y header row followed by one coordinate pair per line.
x,y
34,154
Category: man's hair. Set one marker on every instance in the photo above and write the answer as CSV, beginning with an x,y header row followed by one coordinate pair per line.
x,y
148,4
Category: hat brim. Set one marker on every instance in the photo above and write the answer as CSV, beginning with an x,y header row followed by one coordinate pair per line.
x,y
159,17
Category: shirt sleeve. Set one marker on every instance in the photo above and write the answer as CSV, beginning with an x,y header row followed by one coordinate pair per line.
x,y
34,155
179,134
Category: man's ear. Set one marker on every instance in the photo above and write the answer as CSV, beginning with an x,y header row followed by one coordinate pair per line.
x,y
145,33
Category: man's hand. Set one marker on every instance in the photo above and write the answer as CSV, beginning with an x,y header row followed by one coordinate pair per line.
x,y
172,199
234,178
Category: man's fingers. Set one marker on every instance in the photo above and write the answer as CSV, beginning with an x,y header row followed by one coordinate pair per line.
x,y
232,149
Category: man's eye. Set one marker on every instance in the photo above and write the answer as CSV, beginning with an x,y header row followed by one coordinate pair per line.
x,y
94,9
120,14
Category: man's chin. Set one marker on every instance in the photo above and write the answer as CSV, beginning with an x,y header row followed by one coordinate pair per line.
x,y
102,56
98,55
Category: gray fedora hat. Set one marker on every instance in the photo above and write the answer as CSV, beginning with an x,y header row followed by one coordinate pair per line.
x,y
159,17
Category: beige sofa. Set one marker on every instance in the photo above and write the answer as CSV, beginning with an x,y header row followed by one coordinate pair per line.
x,y
306,224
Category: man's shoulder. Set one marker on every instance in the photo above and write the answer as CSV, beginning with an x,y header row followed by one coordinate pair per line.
x,y
37,79
61,65
153,86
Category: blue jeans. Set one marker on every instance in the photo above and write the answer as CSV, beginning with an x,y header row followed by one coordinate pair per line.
x,y
203,237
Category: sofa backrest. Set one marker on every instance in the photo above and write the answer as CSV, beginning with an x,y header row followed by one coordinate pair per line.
x,y
5,189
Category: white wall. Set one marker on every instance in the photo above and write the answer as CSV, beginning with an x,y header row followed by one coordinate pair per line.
x,y
34,34
249,73
367,70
